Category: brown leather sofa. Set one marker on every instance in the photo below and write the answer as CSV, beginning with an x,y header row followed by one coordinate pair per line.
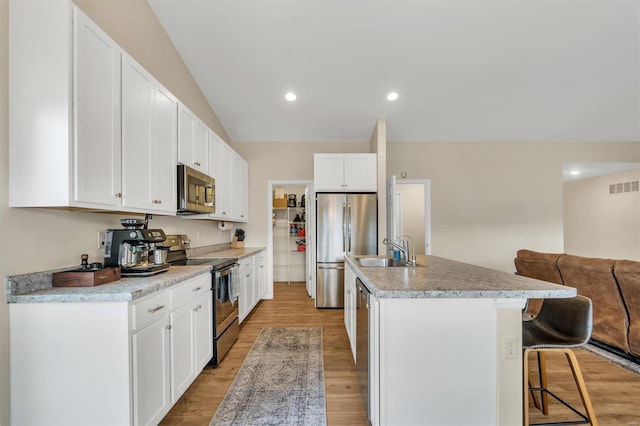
x,y
612,285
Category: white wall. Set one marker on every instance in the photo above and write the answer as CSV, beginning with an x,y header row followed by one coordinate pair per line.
x,y
599,224
40,239
489,199
412,213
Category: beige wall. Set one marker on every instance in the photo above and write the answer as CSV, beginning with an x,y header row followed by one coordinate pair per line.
x,y
490,199
40,239
599,224
412,214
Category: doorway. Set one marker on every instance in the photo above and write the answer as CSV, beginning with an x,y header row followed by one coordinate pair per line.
x,y
290,232
411,204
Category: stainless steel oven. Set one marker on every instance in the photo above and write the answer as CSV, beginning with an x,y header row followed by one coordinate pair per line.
x,y
225,289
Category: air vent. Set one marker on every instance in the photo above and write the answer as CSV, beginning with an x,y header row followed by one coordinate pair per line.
x,y
618,188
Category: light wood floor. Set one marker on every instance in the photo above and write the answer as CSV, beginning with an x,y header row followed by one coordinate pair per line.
x,y
615,392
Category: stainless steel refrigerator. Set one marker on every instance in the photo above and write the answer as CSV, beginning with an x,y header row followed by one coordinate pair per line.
x,y
345,224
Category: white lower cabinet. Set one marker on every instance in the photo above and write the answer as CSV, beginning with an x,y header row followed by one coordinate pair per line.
x,y
191,333
80,363
151,372
252,275
246,274
350,301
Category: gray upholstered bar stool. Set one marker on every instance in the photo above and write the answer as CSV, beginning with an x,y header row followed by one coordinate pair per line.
x,y
562,324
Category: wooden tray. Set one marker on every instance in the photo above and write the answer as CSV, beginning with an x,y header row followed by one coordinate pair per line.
x,y
85,278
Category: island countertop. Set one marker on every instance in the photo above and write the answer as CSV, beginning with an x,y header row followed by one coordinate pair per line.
x,y
446,278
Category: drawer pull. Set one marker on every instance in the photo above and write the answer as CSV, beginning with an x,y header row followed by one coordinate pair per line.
x,y
156,309
196,289
102,277
197,308
168,327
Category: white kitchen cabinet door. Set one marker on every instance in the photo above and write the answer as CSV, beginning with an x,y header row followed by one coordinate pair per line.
x,y
360,172
193,141
201,147
183,368
246,274
202,313
148,141
164,151
243,189
96,153
345,172
137,117
224,181
151,372
328,172
350,302
260,277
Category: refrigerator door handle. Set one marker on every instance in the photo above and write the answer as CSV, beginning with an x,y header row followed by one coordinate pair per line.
x,y
330,267
349,228
344,227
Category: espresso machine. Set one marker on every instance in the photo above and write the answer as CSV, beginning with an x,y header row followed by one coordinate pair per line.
x,y
138,252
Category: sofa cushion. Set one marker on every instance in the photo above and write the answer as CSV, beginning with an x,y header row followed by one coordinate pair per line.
x,y
627,272
541,266
594,279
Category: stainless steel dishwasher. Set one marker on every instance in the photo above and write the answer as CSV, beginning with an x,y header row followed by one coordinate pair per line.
x,y
362,344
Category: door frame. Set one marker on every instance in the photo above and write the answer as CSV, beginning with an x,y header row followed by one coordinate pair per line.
x,y
427,207
310,234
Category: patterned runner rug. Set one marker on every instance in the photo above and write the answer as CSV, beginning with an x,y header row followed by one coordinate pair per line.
x,y
281,381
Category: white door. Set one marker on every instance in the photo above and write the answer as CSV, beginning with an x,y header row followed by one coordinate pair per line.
x,y
328,172
392,218
183,369
186,136
202,313
360,172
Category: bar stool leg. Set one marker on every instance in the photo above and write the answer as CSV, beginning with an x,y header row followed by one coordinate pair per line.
x,y
582,388
542,371
525,393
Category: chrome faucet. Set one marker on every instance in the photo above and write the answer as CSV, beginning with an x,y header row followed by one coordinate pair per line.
x,y
411,255
395,245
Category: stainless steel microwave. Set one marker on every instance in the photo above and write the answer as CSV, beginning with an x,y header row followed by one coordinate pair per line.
x,y
196,192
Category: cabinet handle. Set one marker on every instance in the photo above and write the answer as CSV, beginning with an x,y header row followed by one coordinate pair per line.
x,y
197,308
197,163
168,327
159,201
118,194
156,309
248,275
196,289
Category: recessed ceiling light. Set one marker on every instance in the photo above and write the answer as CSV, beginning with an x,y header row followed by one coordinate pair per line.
x,y
574,172
392,96
290,96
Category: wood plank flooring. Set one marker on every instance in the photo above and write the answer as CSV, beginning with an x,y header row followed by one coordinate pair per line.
x,y
614,391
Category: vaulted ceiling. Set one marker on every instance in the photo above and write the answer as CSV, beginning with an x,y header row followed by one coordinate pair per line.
x,y
465,70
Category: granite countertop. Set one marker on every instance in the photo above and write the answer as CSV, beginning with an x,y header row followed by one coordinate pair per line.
x,y
36,287
445,278
229,252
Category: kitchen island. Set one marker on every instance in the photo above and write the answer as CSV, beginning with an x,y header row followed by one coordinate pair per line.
x,y
444,340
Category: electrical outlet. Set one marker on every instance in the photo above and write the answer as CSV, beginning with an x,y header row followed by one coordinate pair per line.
x,y
101,240
511,350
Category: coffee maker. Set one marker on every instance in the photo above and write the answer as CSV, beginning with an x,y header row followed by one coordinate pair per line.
x,y
133,250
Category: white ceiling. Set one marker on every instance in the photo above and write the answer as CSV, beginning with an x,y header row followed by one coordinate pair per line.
x,y
466,70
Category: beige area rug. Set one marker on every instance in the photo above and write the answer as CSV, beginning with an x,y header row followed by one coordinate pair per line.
x,y
280,382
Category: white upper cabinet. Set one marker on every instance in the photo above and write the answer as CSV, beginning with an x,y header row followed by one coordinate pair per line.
x,y
149,129
345,172
97,114
65,132
193,141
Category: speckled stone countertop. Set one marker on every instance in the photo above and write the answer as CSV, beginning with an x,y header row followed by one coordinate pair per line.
x,y
445,278
229,252
36,288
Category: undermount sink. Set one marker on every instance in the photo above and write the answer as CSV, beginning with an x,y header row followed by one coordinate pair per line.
x,y
384,262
